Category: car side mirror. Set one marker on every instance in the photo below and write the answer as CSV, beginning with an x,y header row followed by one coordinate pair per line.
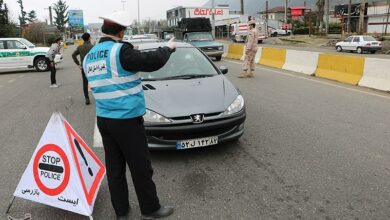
x,y
23,47
223,69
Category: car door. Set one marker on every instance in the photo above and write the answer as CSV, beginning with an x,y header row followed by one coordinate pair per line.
x,y
17,54
355,43
346,45
3,58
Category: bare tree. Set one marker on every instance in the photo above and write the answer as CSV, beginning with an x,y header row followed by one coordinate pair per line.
x,y
361,19
320,16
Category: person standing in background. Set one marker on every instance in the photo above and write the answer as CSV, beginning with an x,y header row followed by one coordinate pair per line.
x,y
51,54
250,51
81,51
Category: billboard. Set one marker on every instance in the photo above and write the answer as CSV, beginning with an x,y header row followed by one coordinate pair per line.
x,y
219,13
76,21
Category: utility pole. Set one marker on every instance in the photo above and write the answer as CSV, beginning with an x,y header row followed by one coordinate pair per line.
x,y
242,7
349,17
361,19
139,22
51,16
388,14
327,17
213,17
285,11
266,12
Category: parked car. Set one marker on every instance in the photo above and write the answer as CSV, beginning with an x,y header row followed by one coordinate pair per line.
x,y
359,44
69,41
279,32
190,103
21,53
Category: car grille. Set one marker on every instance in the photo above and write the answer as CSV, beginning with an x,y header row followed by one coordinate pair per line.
x,y
206,116
194,135
206,49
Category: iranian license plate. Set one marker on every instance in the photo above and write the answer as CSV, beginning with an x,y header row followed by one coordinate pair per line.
x,y
194,143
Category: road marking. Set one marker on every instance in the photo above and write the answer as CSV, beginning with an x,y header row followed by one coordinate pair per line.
x,y
11,81
316,81
97,138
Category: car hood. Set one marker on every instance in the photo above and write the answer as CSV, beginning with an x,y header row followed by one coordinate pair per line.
x,y
179,98
206,44
41,49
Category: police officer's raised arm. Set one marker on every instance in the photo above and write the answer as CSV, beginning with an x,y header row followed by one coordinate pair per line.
x,y
148,61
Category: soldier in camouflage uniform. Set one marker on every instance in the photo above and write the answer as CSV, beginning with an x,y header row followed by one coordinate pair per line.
x,y
250,51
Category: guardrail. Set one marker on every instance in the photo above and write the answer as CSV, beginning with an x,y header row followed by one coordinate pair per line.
x,y
367,72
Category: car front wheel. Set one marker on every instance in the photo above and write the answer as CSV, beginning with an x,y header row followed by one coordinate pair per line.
x,y
41,64
218,58
373,52
339,48
359,50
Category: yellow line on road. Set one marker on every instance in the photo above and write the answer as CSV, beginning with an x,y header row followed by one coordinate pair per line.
x,y
316,80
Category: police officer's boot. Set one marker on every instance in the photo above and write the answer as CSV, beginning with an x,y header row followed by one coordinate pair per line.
x,y
243,74
251,73
164,211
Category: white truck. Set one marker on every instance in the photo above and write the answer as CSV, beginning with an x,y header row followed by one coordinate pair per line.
x,y
239,32
21,53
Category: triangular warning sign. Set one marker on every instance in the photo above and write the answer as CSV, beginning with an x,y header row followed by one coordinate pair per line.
x,y
63,172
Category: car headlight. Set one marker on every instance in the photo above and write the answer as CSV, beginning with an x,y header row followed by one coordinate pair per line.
x,y
220,48
236,106
153,117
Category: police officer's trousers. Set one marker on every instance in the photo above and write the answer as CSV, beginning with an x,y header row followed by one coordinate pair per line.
x,y
124,142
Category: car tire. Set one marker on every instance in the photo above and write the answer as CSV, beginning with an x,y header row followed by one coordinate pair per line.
x,y
275,34
339,49
260,41
373,52
41,64
218,58
288,33
359,50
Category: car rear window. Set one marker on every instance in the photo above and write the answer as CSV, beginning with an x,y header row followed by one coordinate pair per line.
x,y
369,38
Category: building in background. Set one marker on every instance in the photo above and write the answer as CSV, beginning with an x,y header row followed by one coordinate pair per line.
x,y
176,14
276,13
378,17
76,22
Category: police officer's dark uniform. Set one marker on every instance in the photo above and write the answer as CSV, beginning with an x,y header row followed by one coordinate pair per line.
x,y
82,50
111,68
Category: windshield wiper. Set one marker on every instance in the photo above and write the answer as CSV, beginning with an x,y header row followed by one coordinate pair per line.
x,y
188,76
146,79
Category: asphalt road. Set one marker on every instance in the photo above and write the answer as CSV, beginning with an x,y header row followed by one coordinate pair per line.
x,y
313,149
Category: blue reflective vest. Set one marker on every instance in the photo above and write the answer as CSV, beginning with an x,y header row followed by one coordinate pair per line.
x,y
118,93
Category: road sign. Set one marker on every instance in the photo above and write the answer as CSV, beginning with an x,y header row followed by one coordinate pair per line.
x,y
63,171
89,168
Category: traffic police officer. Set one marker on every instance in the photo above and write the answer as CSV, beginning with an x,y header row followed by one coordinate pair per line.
x,y
111,68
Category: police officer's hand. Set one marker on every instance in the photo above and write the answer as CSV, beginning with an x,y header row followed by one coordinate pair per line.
x,y
172,44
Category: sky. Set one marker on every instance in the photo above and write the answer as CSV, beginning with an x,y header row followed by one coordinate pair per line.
x,y
153,9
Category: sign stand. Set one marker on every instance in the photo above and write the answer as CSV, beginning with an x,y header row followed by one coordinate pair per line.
x,y
26,217
63,171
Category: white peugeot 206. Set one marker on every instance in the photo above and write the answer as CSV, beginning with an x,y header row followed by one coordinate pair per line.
x,y
21,53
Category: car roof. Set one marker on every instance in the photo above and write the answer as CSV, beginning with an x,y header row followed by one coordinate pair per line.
x,y
11,38
150,46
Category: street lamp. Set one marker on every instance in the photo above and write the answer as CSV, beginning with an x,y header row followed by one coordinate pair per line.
x,y
123,4
139,22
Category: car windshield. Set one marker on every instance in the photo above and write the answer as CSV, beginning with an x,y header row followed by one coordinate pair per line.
x,y
27,43
368,38
200,37
185,63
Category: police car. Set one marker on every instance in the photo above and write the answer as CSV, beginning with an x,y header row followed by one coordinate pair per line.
x,y
21,53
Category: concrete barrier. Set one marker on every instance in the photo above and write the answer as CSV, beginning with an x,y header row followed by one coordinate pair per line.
x,y
225,49
236,51
273,57
346,69
301,61
258,54
243,54
376,74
